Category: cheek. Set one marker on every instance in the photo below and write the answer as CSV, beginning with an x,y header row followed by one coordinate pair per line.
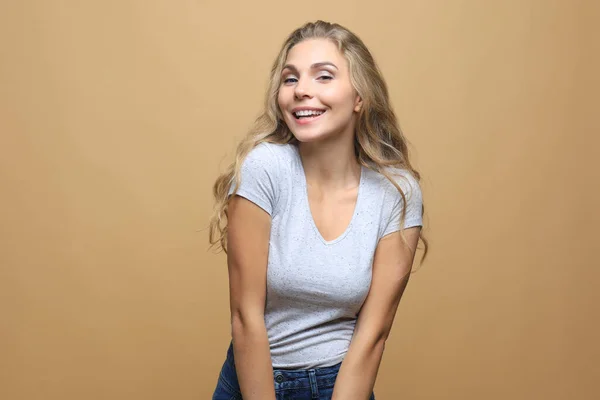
x,y
338,98
285,98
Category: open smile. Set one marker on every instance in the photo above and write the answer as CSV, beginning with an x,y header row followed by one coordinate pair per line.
x,y
307,116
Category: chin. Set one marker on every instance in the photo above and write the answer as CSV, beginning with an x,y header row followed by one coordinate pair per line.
x,y
306,137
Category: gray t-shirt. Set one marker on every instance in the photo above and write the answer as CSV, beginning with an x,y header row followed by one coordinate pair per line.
x,y
315,288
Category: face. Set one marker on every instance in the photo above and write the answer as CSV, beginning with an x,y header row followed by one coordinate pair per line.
x,y
316,97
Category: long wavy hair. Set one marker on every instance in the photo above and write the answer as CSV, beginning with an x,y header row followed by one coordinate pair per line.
x,y
379,143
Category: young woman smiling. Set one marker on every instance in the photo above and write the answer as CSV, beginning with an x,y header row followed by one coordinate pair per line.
x,y
320,216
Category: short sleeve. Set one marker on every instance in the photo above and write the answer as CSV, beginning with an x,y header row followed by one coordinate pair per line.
x,y
414,204
260,178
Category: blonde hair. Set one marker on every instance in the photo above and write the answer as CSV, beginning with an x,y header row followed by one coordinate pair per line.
x,y
379,143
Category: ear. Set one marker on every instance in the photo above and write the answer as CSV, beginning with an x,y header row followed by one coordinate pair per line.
x,y
358,103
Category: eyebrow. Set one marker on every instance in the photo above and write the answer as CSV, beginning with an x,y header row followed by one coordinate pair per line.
x,y
314,66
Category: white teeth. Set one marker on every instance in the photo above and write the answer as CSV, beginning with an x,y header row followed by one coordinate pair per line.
x,y
306,113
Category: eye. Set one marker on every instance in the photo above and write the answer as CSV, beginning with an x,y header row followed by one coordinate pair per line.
x,y
325,77
289,80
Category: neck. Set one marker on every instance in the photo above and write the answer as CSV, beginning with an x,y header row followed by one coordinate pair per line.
x,y
330,164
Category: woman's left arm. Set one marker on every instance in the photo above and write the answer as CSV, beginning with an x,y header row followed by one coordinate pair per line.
x,y
392,264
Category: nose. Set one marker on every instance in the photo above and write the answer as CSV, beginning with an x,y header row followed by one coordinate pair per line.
x,y
303,89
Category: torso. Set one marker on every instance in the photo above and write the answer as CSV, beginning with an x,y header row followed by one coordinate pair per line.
x,y
319,268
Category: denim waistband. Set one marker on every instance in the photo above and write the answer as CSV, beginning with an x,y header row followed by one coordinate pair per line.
x,y
298,378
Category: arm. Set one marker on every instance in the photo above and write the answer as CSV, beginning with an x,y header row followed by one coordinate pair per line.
x,y
391,270
248,245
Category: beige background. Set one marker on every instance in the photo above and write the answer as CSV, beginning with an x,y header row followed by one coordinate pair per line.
x,y
116,116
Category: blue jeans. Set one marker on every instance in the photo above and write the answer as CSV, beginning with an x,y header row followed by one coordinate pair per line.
x,y
304,384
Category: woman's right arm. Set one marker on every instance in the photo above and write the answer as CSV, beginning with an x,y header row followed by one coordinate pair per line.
x,y
248,231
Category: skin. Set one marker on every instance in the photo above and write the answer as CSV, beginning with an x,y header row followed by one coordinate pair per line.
x,y
326,145
317,75
332,174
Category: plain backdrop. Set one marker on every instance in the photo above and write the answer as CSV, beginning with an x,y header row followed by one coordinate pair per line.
x,y
117,116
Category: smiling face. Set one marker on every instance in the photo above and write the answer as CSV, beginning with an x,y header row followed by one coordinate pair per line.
x,y
316,97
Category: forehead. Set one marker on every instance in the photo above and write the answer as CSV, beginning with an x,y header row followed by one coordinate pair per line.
x,y
313,51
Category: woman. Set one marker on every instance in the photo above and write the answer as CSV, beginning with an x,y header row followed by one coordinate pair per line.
x,y
320,216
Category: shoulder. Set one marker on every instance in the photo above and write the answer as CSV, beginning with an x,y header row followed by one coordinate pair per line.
x,y
262,176
409,202
403,178
270,154
267,162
